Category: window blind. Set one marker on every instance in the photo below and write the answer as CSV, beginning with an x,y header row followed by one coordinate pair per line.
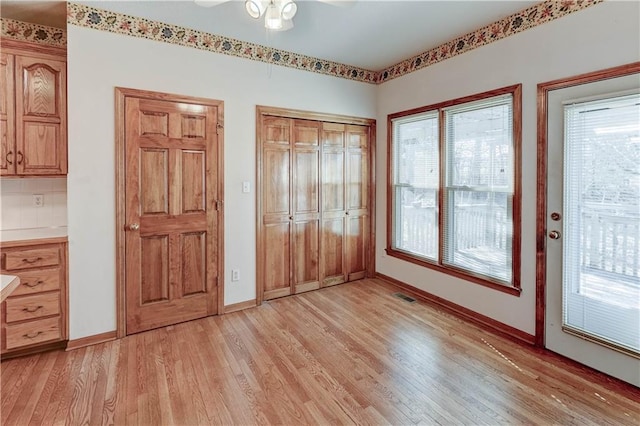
x,y
601,228
416,181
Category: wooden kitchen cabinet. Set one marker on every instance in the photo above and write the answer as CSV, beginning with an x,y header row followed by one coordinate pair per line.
x,y
34,316
33,110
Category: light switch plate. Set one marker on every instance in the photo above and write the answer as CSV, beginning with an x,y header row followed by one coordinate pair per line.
x,y
246,187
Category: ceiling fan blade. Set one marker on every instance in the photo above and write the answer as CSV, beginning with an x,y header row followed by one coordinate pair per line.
x,y
339,3
209,3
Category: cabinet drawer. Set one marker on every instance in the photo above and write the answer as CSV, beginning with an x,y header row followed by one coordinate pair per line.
x,y
34,258
30,333
29,307
32,282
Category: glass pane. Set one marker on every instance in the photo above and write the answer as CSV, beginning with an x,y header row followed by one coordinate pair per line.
x,y
601,247
416,221
479,231
416,151
479,146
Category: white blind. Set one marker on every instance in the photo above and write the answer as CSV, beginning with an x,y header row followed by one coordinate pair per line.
x,y
601,221
416,180
478,190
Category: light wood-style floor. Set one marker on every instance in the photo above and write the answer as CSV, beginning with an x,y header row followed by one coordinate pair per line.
x,y
341,355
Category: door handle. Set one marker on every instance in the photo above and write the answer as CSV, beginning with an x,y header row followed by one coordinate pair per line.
x,y
8,157
555,235
133,227
20,157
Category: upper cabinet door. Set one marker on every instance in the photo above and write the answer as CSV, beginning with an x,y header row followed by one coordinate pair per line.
x,y
7,115
40,116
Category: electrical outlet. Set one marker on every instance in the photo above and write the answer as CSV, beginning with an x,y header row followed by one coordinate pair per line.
x,y
235,275
38,200
246,187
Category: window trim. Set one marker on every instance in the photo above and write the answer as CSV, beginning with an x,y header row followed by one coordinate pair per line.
x,y
515,287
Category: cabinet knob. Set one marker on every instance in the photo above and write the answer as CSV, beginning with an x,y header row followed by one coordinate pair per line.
x,y
133,227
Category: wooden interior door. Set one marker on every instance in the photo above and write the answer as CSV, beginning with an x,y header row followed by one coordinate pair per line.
x,y
276,207
172,222
357,209
7,117
333,204
306,205
41,116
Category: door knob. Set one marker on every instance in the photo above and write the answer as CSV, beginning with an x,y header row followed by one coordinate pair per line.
x,y
133,227
554,235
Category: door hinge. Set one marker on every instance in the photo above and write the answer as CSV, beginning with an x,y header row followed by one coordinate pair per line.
x,y
219,204
219,127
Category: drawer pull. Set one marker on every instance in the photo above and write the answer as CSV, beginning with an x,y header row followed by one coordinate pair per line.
x,y
33,285
37,259
32,310
32,336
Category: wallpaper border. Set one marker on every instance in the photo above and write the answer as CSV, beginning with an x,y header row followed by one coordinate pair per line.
x,y
33,33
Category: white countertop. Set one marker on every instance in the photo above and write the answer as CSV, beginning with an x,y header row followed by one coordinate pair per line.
x,y
32,233
9,282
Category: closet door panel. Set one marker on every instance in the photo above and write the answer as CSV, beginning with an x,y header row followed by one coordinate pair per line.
x,y
276,195
306,256
357,247
277,260
333,250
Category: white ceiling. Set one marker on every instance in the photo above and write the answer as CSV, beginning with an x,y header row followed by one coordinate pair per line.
x,y
368,34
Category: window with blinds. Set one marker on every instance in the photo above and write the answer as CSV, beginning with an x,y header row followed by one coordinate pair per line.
x,y
601,244
453,169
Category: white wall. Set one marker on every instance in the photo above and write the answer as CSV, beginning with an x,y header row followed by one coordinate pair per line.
x,y
98,62
599,37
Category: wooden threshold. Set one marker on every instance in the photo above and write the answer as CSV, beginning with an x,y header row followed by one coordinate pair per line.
x,y
91,340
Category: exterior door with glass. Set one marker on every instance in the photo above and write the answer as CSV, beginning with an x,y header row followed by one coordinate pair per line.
x,y
592,310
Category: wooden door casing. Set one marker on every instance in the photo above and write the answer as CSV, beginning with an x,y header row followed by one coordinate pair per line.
x,y
40,116
170,192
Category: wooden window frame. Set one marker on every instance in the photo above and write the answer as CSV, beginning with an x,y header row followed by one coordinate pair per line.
x,y
514,288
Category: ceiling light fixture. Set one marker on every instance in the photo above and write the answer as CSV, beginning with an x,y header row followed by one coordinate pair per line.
x,y
278,14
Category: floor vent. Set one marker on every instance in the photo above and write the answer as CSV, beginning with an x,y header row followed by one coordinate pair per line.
x,y
404,297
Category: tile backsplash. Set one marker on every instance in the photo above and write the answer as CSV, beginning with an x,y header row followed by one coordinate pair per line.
x,y
18,209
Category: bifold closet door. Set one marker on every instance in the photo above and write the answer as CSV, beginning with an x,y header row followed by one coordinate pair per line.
x,y
291,206
276,206
333,204
306,205
357,177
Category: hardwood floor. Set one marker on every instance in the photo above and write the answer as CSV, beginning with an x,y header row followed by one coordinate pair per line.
x,y
342,355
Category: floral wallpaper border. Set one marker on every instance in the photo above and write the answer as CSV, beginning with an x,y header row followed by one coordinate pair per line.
x,y
518,22
34,33
87,16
